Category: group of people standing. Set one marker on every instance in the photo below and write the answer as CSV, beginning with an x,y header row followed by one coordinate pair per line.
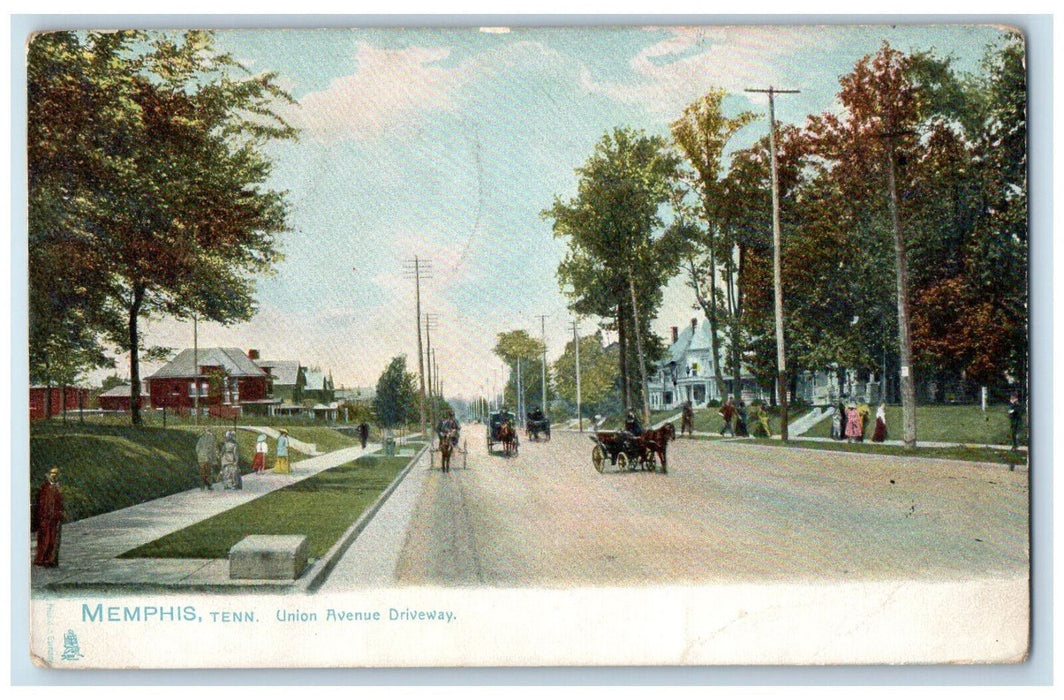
x,y
850,422
227,459
737,420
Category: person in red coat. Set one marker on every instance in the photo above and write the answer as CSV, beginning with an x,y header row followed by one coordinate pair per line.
x,y
49,520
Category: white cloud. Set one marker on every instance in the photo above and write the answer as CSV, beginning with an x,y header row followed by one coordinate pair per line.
x,y
691,60
397,88
390,87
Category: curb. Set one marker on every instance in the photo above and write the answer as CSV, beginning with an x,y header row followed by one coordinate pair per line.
x,y
320,570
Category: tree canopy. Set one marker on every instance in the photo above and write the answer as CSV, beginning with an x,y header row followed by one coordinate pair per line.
x,y
146,157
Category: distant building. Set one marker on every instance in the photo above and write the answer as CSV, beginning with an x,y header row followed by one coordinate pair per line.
x,y
288,379
117,398
68,398
319,387
226,380
688,374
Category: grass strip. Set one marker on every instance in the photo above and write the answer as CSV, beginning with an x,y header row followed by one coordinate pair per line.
x,y
321,507
961,453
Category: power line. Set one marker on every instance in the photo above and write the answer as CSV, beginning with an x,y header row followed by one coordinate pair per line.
x,y
418,269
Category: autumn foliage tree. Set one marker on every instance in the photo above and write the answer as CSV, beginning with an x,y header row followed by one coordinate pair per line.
x,y
166,190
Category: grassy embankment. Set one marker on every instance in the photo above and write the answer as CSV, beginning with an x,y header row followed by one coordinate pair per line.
x,y
321,507
107,467
962,424
964,454
967,425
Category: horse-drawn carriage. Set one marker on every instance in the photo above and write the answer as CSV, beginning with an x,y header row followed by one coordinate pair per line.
x,y
448,445
502,430
536,424
628,452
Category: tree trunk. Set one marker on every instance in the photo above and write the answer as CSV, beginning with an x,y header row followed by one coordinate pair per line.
x,y
134,356
47,388
711,314
639,349
622,344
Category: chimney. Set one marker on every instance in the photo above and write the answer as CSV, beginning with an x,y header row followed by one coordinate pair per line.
x,y
675,334
253,354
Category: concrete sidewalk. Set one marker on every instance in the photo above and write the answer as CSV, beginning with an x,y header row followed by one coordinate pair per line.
x,y
88,556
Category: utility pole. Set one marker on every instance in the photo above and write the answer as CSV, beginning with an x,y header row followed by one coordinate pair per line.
x,y
430,372
195,369
543,334
576,349
777,273
416,269
520,395
907,386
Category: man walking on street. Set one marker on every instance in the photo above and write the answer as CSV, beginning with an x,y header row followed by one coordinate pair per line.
x,y
1015,420
727,412
363,433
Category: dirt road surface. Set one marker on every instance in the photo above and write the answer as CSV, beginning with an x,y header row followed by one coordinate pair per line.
x,y
726,512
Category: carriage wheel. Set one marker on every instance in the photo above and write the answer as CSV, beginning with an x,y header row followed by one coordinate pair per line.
x,y
622,461
598,458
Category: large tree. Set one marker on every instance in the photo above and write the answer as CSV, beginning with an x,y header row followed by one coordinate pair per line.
x,y
396,402
717,247
620,256
74,130
519,347
599,378
176,210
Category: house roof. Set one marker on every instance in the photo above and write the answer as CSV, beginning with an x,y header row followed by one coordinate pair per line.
x,y
120,391
233,362
284,372
317,381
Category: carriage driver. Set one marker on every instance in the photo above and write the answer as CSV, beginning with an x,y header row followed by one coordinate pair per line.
x,y
632,424
537,414
447,426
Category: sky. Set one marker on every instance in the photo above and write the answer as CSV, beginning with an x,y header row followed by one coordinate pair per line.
x,y
448,144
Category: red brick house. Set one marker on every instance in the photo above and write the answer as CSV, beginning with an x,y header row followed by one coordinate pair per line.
x,y
226,379
71,398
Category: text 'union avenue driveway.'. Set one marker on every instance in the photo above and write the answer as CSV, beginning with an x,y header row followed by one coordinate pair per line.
x,y
727,511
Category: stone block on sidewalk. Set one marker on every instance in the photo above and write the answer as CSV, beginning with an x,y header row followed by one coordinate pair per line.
x,y
274,557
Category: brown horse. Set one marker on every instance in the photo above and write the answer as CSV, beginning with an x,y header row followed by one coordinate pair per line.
x,y
508,438
447,449
656,443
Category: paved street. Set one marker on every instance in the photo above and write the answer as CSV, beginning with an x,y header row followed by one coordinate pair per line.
x,y
727,511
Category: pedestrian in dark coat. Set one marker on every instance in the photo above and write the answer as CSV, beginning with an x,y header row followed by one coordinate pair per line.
x,y
363,433
1015,420
741,417
49,523
727,412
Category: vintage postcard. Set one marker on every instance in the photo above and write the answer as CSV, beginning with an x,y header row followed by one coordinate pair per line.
x,y
528,346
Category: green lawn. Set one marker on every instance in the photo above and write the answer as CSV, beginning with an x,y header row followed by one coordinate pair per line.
x,y
964,454
105,467
966,424
321,507
327,439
